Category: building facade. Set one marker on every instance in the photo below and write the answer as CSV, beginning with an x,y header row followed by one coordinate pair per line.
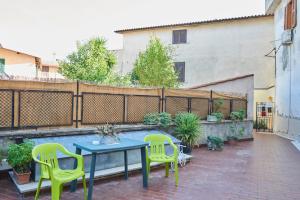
x,y
212,50
15,63
19,65
287,46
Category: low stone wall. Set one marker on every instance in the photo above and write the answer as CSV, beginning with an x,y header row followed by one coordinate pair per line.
x,y
222,129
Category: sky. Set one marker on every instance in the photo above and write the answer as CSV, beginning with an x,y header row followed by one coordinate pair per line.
x,y
50,28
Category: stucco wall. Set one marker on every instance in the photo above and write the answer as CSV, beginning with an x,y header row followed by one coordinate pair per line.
x,y
12,57
287,120
18,64
214,51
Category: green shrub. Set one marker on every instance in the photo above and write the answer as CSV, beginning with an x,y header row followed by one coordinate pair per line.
x,y
236,132
151,119
238,115
260,124
188,128
165,119
214,143
19,156
217,105
218,115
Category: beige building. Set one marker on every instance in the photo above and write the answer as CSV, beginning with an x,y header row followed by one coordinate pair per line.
x,y
213,50
19,65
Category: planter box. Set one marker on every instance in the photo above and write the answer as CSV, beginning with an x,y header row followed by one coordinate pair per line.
x,y
222,129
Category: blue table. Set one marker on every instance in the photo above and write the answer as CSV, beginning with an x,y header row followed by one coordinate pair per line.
x,y
124,145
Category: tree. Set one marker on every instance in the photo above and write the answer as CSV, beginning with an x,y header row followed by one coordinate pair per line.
x,y
155,66
91,62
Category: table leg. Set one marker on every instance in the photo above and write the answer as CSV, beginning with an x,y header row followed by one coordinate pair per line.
x,y
144,167
92,174
126,164
74,183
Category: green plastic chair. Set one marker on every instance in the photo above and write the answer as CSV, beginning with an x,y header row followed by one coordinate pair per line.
x,y
158,154
45,155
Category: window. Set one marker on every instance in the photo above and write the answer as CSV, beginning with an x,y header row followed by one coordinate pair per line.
x,y
45,68
179,36
180,69
290,15
2,64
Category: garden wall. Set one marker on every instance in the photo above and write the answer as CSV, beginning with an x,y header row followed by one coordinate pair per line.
x,y
222,130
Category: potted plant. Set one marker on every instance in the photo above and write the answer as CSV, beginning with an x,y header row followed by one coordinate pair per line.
x,y
107,134
219,116
216,115
236,132
188,130
19,158
214,143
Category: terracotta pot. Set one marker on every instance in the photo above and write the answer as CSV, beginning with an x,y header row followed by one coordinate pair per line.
x,y
232,142
22,178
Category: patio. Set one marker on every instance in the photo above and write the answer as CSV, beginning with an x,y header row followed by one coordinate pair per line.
x,y
267,168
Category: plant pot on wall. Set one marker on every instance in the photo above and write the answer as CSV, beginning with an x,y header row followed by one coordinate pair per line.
x,y
22,178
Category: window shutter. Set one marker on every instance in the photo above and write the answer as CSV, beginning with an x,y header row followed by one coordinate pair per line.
x,y
290,15
175,37
285,18
289,23
294,14
180,69
183,36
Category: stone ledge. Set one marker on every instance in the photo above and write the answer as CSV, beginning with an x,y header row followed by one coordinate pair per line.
x,y
66,131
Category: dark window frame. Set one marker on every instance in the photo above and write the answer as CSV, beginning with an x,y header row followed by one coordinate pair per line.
x,y
179,36
45,68
180,69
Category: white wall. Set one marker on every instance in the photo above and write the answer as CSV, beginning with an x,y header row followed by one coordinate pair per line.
x,y
287,121
25,69
214,51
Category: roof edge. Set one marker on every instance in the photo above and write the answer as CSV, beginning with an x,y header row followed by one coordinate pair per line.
x,y
192,23
19,52
221,81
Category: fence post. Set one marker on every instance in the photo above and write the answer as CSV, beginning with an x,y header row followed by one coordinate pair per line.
x,y
125,110
189,104
230,105
77,101
162,99
246,106
210,103
13,110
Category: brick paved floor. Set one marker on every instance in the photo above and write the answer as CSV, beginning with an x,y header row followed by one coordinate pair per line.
x,y
266,168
